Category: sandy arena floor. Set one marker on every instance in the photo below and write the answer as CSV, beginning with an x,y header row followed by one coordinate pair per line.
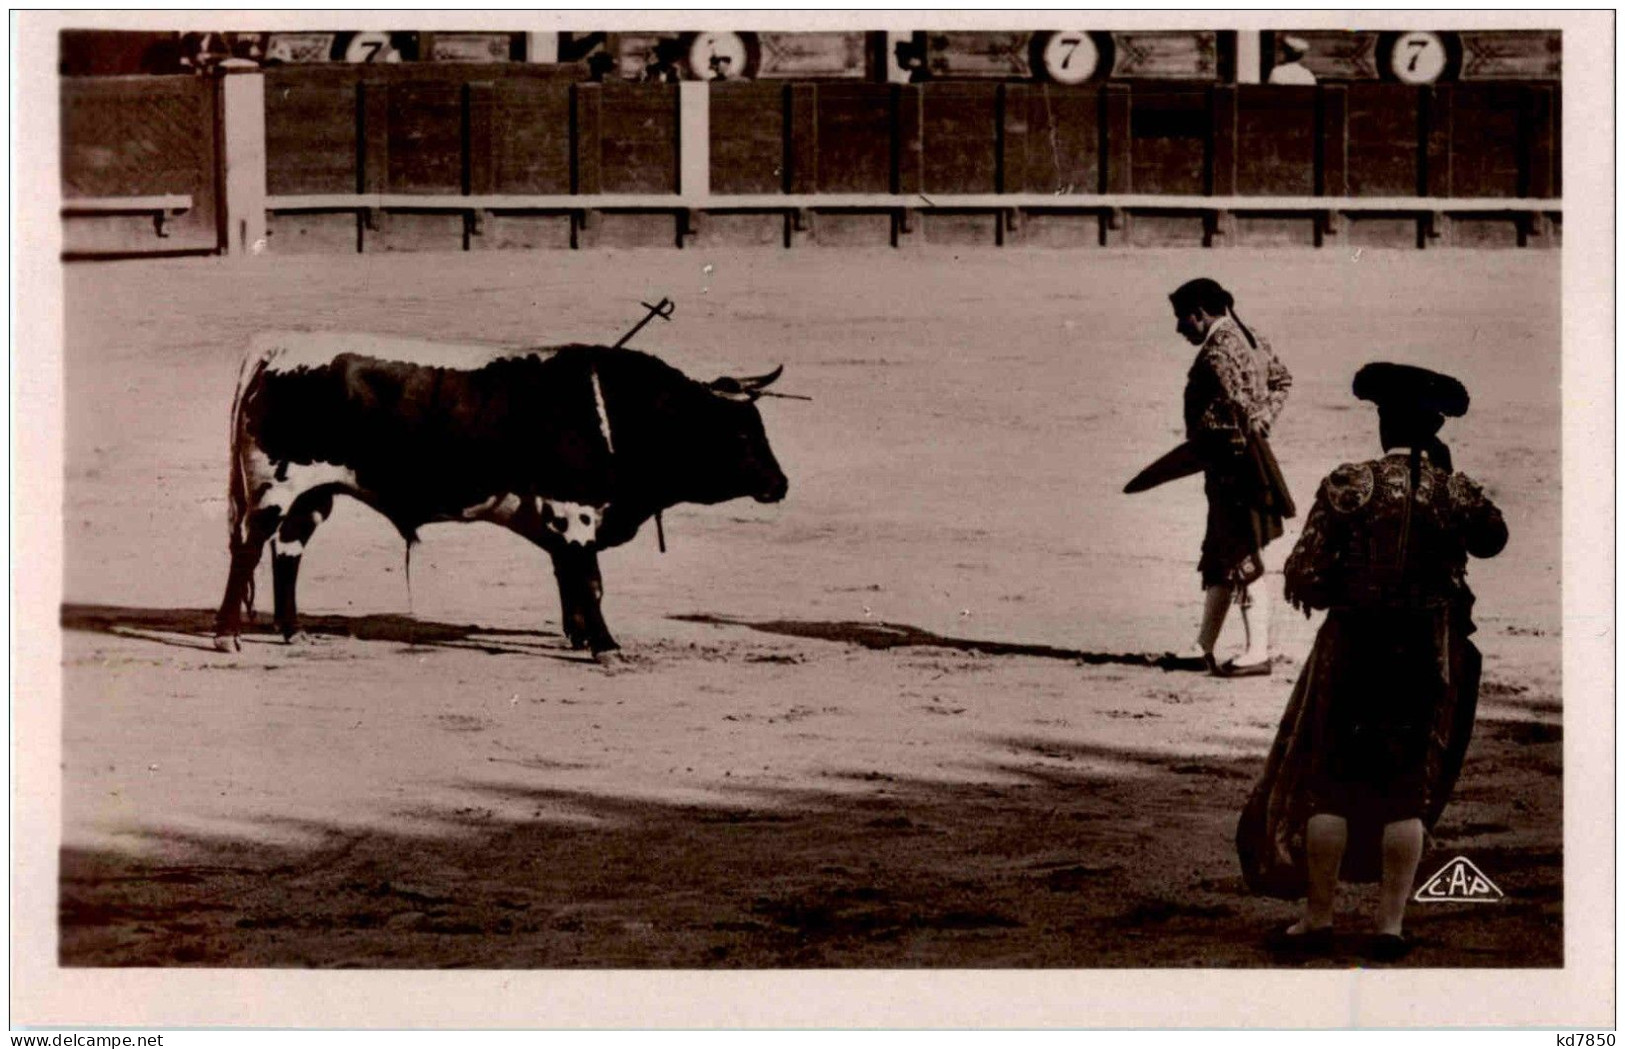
x,y
900,719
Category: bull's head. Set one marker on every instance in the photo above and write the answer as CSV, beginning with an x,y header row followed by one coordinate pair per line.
x,y
745,389
733,442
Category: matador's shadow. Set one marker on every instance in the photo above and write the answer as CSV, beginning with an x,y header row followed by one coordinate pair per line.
x,y
883,636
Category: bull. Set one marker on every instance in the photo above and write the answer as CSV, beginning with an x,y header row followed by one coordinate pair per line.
x,y
572,447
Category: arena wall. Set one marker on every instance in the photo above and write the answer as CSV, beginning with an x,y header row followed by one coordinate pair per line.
x,y
506,156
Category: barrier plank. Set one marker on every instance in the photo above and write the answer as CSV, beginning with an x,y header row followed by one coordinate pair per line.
x,y
425,136
639,138
1012,122
908,145
1275,139
1438,137
479,153
310,133
373,104
854,138
531,136
1491,138
748,137
802,147
1170,139
960,131
586,138
1063,139
1331,177
140,137
128,136
1544,133
1119,139
1383,145
1222,160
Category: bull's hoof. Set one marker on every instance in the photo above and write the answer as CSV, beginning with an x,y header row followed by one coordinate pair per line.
x,y
609,657
298,638
227,643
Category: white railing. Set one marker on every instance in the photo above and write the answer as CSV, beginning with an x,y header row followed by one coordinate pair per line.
x,y
893,201
162,207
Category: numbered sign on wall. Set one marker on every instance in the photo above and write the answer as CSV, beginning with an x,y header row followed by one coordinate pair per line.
x,y
471,47
1070,57
299,47
1418,58
719,56
370,47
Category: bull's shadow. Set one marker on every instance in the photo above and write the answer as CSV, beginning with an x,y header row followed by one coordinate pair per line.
x,y
194,628
882,636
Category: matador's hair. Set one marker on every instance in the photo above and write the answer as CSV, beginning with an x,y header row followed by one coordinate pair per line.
x,y
1209,296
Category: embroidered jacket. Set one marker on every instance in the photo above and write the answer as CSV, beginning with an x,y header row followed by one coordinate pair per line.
x,y
1371,541
1233,388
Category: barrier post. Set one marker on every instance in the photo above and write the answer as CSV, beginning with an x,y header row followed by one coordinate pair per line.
x,y
1249,56
694,139
1117,160
373,141
801,156
693,156
586,159
1012,168
1331,158
542,47
1222,131
1539,157
242,102
1438,160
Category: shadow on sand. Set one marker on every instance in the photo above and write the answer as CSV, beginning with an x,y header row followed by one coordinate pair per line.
x,y
1052,862
883,636
194,628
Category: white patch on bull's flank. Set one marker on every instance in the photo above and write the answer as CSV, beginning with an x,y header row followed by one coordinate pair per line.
x,y
291,351
576,523
260,473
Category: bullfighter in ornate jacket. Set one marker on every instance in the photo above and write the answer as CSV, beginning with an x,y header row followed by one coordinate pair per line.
x,y
1233,395
1374,734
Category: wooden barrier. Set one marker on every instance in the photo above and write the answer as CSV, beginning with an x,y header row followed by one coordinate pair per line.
x,y
475,156
138,165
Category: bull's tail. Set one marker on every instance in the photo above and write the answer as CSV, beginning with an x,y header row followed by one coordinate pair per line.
x,y
249,371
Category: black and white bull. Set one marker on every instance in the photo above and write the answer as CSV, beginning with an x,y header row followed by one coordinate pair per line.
x,y
572,447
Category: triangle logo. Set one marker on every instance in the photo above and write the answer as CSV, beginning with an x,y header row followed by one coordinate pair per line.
x,y
1459,881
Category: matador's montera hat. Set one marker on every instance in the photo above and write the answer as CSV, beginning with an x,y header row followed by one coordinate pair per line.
x,y
1410,389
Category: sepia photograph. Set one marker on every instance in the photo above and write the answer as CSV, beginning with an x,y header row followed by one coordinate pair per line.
x,y
613,497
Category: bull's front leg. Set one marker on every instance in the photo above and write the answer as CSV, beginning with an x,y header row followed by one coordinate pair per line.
x,y
286,551
581,593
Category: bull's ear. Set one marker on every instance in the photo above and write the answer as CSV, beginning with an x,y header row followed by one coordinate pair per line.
x,y
730,389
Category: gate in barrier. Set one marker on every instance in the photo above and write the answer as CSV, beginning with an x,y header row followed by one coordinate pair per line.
x,y
139,165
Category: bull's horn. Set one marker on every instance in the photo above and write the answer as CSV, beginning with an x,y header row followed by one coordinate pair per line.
x,y
759,381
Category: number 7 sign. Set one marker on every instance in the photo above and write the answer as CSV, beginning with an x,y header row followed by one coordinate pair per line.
x,y
1418,58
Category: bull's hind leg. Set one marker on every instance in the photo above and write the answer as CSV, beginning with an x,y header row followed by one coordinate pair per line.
x,y
581,592
245,558
287,549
